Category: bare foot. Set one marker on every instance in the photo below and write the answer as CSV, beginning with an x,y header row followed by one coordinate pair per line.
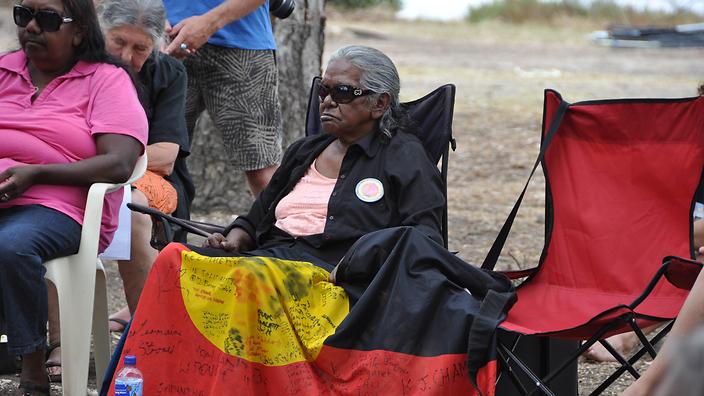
x,y
118,320
623,343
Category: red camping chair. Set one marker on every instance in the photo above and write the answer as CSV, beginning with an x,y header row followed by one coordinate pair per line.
x,y
621,177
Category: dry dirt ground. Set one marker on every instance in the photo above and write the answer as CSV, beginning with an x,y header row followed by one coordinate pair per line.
x,y
500,72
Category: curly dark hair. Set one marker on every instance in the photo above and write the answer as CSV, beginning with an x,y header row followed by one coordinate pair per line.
x,y
700,90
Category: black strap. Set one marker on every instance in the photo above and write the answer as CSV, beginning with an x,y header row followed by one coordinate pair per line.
x,y
493,256
492,311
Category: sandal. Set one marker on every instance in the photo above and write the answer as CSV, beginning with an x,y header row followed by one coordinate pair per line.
x,y
122,322
54,375
34,389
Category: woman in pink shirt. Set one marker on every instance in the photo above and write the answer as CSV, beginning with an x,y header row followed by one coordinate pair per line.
x,y
70,118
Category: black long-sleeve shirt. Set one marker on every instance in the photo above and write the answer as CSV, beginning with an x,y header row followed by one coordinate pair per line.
x,y
412,194
163,96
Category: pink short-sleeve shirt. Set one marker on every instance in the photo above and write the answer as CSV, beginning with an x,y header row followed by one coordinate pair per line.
x,y
60,127
305,209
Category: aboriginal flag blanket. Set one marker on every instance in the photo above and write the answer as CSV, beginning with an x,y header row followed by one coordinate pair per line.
x,y
405,317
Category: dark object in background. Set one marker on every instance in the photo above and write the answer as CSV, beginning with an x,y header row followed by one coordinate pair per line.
x,y
9,364
680,36
281,8
542,355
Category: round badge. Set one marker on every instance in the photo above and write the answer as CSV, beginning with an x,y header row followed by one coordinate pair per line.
x,y
369,190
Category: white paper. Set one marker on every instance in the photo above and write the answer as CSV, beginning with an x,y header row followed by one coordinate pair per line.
x,y
119,248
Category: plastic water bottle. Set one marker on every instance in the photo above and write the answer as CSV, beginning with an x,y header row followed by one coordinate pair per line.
x,y
129,381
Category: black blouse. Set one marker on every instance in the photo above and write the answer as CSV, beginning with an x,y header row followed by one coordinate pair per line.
x,y
412,194
163,95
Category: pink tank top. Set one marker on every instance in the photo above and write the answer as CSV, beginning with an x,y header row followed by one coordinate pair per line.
x,y
303,211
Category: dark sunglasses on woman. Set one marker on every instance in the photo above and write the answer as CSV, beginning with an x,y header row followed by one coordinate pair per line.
x,y
342,93
48,21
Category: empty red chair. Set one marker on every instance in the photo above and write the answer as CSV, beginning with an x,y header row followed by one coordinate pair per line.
x,y
621,176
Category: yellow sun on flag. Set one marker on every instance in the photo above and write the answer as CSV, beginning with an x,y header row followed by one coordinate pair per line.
x,y
261,309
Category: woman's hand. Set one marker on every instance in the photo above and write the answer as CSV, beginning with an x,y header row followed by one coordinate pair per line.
x,y
238,240
15,181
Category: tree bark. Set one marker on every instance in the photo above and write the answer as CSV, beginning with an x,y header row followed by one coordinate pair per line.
x,y
300,40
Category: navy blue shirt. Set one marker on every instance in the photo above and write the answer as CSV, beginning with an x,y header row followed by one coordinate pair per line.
x,y
412,185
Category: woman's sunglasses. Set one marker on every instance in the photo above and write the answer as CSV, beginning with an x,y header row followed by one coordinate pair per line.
x,y
342,93
48,21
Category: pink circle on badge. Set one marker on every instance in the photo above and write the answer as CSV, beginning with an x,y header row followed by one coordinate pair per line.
x,y
369,190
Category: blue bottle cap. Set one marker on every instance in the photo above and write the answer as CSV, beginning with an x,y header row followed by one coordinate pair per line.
x,y
130,359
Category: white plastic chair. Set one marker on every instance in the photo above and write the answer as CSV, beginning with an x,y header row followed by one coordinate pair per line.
x,y
81,286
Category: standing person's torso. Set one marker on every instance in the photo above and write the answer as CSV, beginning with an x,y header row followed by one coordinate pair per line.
x,y
252,32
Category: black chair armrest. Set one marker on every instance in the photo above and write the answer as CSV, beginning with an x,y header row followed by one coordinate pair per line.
x,y
194,227
678,271
681,272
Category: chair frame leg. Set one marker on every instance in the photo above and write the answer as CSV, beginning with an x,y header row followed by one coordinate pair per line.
x,y
75,304
619,372
101,328
533,377
643,339
506,369
506,354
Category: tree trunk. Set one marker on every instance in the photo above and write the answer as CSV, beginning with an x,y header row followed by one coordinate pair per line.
x,y
300,40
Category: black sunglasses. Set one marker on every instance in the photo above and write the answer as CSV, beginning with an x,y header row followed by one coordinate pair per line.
x,y
48,21
342,93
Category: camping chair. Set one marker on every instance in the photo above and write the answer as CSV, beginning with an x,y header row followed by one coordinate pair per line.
x,y
621,176
81,286
432,113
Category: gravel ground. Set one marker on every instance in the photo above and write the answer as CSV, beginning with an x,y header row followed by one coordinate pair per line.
x,y
500,72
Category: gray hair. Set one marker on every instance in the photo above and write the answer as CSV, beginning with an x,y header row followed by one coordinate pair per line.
x,y
378,74
146,14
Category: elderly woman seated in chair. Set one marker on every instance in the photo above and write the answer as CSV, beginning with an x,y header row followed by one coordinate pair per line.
x,y
367,172
255,309
70,118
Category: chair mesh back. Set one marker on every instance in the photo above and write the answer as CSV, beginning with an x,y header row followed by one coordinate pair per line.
x,y
621,179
